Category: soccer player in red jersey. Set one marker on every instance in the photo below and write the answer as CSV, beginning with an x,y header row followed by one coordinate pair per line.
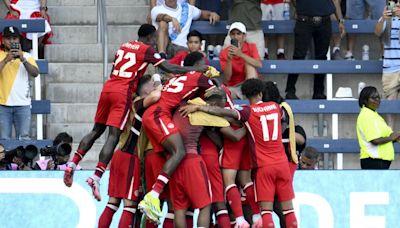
x,y
124,180
272,174
161,130
194,39
115,102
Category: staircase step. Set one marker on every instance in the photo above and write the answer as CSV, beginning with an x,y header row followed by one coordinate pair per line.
x,y
87,34
76,72
78,53
73,92
72,113
78,15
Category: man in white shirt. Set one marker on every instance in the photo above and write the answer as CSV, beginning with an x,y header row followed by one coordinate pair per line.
x,y
173,22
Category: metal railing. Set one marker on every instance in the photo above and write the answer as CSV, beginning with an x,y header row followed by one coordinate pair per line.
x,y
102,36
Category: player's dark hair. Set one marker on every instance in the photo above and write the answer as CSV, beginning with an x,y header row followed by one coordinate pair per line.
x,y
195,33
365,94
216,94
192,58
252,87
271,93
146,29
142,81
310,153
62,137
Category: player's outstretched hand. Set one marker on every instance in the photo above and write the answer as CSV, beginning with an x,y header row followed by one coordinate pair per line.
x,y
187,109
202,68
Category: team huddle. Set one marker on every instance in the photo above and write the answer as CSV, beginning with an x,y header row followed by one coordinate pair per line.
x,y
199,150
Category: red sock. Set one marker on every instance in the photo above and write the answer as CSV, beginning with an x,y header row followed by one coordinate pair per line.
x,y
189,218
223,219
107,215
169,220
290,218
161,181
267,219
233,224
127,216
250,197
233,198
100,168
78,155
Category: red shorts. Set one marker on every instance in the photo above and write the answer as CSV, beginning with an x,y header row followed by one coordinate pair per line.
x,y
113,109
273,180
236,155
124,176
153,164
215,175
158,126
189,184
292,168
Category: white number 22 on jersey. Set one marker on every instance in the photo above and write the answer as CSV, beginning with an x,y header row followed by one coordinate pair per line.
x,y
131,57
264,125
175,85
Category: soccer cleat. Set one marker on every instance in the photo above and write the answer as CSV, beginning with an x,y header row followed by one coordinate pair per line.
x,y
68,176
150,206
243,224
95,185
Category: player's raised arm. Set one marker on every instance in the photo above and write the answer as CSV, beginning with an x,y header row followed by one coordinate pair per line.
x,y
232,134
213,110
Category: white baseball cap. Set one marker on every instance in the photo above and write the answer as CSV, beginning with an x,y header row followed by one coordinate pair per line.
x,y
239,26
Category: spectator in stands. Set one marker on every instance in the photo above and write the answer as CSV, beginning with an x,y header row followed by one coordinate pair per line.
x,y
194,39
309,158
337,38
17,161
59,157
239,60
249,13
388,27
154,3
313,23
356,11
173,22
18,9
15,102
375,137
273,10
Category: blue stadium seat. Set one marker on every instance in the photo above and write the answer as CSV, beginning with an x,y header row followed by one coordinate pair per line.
x,y
316,66
40,107
43,65
339,146
282,27
36,25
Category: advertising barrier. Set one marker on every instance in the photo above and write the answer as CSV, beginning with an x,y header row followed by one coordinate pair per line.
x,y
324,199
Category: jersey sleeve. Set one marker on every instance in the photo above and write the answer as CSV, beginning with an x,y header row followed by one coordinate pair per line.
x,y
151,56
177,59
196,12
205,83
243,113
223,58
254,51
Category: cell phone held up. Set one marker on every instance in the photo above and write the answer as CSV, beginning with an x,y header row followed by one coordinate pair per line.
x,y
235,42
15,47
391,5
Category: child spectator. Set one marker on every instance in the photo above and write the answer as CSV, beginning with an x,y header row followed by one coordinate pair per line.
x,y
194,39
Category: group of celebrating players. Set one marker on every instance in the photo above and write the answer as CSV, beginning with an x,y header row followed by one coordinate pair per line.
x,y
198,150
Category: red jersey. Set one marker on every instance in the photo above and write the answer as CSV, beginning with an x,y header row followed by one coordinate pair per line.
x,y
207,146
130,63
272,2
190,134
179,58
184,87
263,122
238,64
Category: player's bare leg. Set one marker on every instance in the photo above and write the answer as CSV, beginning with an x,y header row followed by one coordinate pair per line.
x,y
180,218
104,158
108,213
288,212
233,196
244,177
150,205
84,146
204,216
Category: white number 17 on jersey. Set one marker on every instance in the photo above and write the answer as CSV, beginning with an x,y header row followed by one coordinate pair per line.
x,y
264,125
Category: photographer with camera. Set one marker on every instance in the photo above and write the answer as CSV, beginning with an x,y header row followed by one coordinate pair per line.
x,y
58,153
15,101
19,158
